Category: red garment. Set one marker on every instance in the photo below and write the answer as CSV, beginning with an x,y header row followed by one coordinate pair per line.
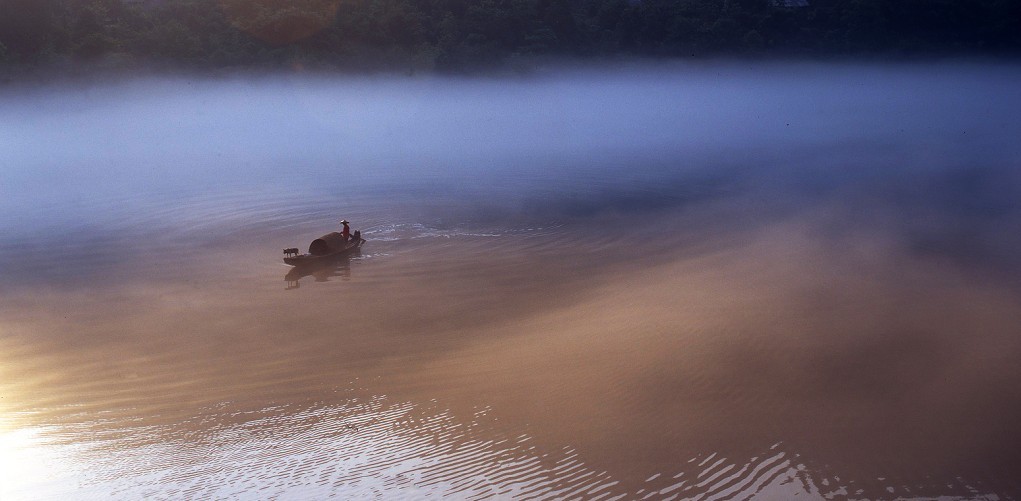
x,y
347,232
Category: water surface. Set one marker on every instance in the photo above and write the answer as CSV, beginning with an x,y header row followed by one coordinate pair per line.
x,y
720,281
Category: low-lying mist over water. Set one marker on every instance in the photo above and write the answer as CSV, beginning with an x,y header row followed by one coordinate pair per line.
x,y
667,281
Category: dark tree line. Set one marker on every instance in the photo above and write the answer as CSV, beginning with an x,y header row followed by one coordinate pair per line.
x,y
460,34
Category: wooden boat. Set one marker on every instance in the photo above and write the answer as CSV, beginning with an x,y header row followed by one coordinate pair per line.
x,y
325,249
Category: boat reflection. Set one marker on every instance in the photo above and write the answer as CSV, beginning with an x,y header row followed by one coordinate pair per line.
x,y
322,270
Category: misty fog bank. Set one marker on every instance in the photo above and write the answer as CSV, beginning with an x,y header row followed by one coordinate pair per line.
x,y
927,150
659,120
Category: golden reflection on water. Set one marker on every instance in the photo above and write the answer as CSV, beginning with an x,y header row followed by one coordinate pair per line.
x,y
779,364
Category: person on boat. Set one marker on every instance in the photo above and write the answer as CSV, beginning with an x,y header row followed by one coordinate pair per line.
x,y
347,230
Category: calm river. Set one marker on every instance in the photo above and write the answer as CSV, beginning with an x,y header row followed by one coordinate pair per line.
x,y
718,281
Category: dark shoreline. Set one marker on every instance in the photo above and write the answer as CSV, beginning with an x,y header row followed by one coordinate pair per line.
x,y
92,72
49,37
